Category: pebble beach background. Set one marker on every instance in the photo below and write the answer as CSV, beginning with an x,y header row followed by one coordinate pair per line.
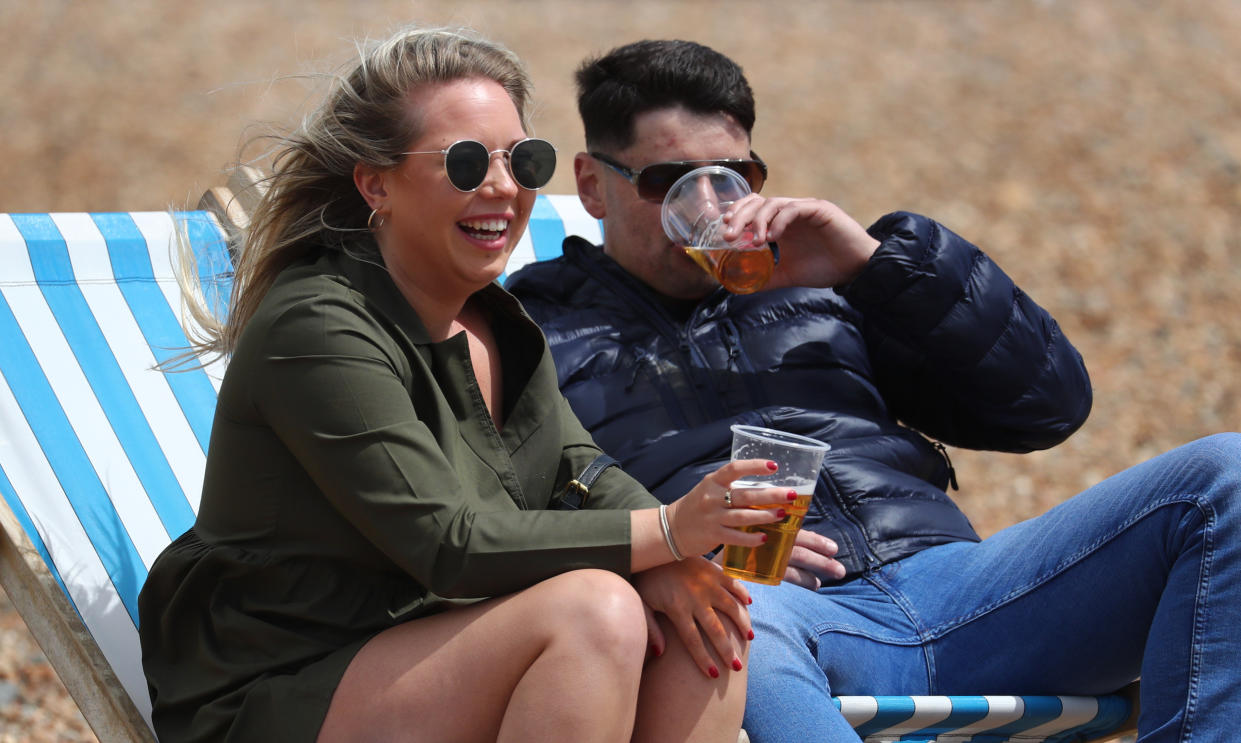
x,y
1092,148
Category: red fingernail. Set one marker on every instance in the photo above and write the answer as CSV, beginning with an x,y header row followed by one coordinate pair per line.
x,y
781,514
764,539
715,672
751,635
773,466
792,495
656,651
749,600
736,665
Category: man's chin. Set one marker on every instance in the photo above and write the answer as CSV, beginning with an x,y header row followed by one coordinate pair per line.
x,y
686,288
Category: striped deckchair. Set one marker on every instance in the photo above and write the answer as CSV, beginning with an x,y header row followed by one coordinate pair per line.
x,y
102,456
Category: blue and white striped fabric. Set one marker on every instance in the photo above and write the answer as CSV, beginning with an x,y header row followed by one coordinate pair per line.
x,y
983,719
102,456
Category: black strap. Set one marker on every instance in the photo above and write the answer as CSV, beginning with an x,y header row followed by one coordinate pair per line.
x,y
577,492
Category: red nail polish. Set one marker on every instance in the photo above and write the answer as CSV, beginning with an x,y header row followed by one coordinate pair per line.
x,y
749,600
751,635
736,665
655,651
792,495
764,539
772,466
715,672
781,514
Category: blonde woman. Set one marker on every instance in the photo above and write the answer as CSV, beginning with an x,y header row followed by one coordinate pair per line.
x,y
380,552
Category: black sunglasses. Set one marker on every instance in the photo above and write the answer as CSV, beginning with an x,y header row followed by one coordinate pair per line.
x,y
654,180
466,162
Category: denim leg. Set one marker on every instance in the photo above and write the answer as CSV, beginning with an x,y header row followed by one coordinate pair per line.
x,y
1139,574
848,638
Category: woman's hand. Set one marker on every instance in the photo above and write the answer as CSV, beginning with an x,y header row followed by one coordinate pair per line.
x,y
698,599
710,514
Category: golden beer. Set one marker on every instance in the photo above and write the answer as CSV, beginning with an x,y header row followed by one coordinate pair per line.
x,y
767,562
739,270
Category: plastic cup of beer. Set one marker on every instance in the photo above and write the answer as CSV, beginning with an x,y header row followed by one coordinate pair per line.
x,y
798,459
692,215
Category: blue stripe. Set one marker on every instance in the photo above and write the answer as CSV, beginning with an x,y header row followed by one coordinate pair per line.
x,y
215,268
892,711
1038,710
546,230
965,711
131,265
69,462
50,258
19,510
1113,710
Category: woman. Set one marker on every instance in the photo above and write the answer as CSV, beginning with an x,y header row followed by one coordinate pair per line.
x,y
378,555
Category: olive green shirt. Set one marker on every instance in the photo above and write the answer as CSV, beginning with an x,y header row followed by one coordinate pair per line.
x,y
355,480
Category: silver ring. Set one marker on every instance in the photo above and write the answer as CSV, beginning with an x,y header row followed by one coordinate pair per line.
x,y
728,499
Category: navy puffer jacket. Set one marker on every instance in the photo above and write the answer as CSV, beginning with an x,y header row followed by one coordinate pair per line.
x,y
932,336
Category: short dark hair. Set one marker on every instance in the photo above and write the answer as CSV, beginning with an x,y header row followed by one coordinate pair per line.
x,y
635,78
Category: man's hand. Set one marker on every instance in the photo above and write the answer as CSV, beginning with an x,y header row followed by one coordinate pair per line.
x,y
820,245
812,561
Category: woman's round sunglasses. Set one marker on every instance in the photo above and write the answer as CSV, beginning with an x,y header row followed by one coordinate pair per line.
x,y
654,180
466,162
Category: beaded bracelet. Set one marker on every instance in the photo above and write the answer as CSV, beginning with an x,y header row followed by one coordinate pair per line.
x,y
663,525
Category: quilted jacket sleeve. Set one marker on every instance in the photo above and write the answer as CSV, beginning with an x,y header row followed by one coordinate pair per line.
x,y
959,351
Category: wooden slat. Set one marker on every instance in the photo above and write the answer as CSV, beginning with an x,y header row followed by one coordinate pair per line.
x,y
63,638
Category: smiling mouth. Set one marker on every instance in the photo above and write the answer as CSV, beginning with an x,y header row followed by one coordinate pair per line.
x,y
484,229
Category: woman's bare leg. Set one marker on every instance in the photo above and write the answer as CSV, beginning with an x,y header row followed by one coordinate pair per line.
x,y
677,703
559,661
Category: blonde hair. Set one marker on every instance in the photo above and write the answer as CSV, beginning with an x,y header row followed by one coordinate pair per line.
x,y
309,202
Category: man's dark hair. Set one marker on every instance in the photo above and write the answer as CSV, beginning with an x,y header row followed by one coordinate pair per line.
x,y
630,80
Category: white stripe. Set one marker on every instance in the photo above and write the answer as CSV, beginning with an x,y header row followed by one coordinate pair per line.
x,y
858,710
13,251
1077,711
157,228
577,221
83,411
1001,710
78,564
88,253
928,711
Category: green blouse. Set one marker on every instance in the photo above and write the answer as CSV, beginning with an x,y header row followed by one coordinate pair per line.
x,y
355,480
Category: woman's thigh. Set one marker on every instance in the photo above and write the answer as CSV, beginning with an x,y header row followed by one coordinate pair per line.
x,y
449,676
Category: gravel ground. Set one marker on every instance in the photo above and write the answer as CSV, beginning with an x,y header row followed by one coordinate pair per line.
x,y
1092,148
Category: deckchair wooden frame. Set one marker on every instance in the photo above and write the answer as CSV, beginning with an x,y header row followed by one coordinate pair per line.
x,y
64,639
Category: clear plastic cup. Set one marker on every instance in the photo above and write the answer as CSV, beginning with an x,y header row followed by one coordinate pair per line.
x,y
798,459
692,215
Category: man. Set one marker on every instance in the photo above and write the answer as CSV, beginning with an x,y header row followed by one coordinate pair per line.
x,y
881,342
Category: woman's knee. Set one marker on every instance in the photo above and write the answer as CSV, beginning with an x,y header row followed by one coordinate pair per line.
x,y
598,608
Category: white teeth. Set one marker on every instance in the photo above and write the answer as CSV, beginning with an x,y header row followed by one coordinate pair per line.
x,y
486,225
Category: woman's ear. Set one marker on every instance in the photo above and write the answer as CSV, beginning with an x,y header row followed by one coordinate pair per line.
x,y
589,189
372,185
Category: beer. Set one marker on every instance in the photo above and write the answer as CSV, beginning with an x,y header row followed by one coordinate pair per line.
x,y
739,270
767,562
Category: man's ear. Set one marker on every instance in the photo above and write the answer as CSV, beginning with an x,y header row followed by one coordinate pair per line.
x,y
589,189
372,185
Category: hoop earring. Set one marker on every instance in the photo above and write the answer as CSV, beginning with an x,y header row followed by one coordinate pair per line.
x,y
370,221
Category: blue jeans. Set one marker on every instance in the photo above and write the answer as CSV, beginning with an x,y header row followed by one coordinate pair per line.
x,y
1139,575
